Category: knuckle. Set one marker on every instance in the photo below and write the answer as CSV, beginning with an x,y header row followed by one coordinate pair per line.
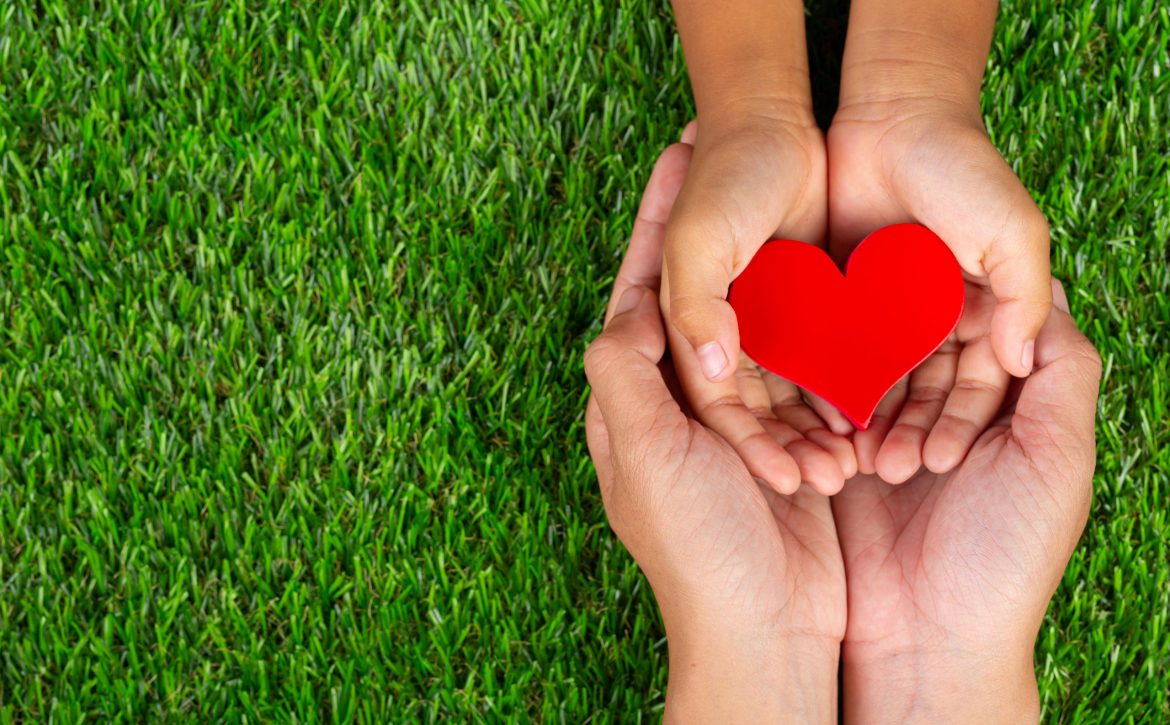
x,y
1033,230
723,402
1023,230
1091,357
688,314
594,423
761,412
1037,224
928,393
691,229
977,386
956,425
598,356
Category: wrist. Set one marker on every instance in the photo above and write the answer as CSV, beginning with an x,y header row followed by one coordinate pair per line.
x,y
953,685
745,106
751,676
889,67
745,56
917,51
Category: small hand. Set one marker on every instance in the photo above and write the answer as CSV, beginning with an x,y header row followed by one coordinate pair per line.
x,y
949,575
750,582
925,161
750,180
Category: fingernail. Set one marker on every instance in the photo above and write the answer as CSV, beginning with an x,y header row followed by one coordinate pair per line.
x,y
712,359
1027,355
629,300
1059,298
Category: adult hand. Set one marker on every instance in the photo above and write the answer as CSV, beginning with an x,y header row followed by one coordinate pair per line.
x,y
949,575
750,582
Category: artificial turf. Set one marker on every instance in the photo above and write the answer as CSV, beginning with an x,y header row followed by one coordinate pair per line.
x,y
292,303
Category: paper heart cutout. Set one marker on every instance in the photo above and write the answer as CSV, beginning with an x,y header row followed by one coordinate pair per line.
x,y
849,338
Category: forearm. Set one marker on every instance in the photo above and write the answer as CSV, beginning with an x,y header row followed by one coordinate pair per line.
x,y
909,50
746,56
752,679
920,687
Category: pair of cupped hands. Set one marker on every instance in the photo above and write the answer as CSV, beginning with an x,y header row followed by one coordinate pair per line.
x,y
918,556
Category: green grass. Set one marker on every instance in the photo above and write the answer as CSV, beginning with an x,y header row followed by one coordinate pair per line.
x,y
292,301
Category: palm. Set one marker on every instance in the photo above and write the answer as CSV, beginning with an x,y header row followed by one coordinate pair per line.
x,y
932,168
960,555
680,497
770,557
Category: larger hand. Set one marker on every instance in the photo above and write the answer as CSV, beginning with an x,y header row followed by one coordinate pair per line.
x,y
950,575
750,582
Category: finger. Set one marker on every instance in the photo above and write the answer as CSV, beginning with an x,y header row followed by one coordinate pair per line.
x,y
900,455
764,457
622,367
980,387
789,407
699,310
749,382
699,259
719,406
1054,415
642,264
817,467
1018,271
867,443
978,309
690,133
1059,296
828,412
597,439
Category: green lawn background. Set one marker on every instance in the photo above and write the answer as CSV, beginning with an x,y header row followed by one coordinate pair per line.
x,y
293,297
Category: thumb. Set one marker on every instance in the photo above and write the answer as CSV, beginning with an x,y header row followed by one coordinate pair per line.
x,y
1018,271
622,368
1058,402
696,283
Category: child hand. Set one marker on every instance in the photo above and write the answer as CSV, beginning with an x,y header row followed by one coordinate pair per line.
x,y
758,177
926,161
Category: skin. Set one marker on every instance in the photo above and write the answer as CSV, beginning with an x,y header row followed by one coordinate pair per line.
x,y
949,568
907,144
750,583
759,171
948,575
951,571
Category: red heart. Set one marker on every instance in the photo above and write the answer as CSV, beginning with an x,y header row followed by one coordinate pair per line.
x,y
849,338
